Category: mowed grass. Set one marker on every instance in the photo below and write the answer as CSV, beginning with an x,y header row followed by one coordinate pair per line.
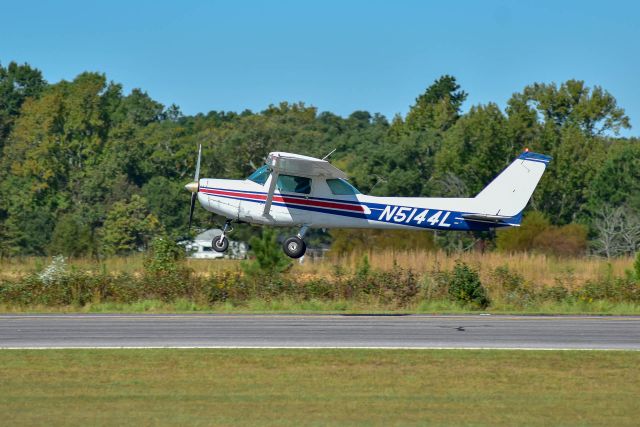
x,y
318,387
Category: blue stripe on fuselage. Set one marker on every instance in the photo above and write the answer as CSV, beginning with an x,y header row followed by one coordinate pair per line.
x,y
452,219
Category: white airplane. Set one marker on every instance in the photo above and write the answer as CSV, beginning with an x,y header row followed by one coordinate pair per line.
x,y
294,190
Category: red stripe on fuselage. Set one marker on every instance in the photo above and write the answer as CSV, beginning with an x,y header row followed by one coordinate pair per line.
x,y
284,199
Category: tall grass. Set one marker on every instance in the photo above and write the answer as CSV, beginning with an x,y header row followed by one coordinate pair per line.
x,y
539,269
413,281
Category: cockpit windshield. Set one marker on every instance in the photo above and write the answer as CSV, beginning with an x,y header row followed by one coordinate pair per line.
x,y
260,175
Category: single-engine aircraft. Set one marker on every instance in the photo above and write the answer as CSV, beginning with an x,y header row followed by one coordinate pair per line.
x,y
300,191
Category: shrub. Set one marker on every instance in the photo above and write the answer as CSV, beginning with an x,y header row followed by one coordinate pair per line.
x,y
537,234
55,272
122,288
227,286
163,256
364,268
507,280
165,278
465,286
569,240
515,239
269,258
517,291
436,285
555,293
618,289
399,286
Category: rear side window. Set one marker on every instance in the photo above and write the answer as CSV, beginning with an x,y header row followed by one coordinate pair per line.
x,y
294,184
340,187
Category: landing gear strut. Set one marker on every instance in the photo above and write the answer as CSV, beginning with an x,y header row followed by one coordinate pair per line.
x,y
294,246
221,243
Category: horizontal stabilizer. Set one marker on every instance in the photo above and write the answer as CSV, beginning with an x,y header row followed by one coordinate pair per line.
x,y
489,219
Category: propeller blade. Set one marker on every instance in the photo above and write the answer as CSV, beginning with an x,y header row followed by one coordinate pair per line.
x,y
195,187
194,196
196,177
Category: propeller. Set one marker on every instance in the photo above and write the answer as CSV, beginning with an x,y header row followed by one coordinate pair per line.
x,y
194,187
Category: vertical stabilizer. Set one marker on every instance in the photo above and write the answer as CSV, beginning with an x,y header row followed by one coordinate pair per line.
x,y
508,194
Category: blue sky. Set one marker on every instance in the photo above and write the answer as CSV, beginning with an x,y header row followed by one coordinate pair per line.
x,y
340,56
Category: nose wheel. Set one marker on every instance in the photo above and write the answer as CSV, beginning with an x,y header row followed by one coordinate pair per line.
x,y
221,243
294,246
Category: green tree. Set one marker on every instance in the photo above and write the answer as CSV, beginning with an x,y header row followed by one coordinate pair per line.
x,y
61,133
617,182
168,202
129,226
17,83
573,123
399,165
438,107
564,189
269,258
29,222
594,110
474,150
71,237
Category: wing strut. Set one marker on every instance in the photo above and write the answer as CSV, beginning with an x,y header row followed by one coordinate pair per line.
x,y
274,163
272,189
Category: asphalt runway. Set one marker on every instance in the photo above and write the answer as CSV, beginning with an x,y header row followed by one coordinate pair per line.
x,y
319,331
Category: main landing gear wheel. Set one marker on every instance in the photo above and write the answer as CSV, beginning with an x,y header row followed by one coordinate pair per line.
x,y
294,247
220,243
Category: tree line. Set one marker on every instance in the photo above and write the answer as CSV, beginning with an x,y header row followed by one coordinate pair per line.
x,y
89,170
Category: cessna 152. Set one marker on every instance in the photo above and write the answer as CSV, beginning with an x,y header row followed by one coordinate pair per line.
x,y
301,191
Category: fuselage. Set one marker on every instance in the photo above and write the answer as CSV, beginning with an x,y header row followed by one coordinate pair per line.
x,y
320,207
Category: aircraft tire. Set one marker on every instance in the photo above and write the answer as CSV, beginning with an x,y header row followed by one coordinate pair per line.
x,y
294,247
220,243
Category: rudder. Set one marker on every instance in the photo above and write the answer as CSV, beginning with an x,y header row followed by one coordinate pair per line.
x,y
508,194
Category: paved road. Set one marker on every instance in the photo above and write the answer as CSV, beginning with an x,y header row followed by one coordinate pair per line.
x,y
415,331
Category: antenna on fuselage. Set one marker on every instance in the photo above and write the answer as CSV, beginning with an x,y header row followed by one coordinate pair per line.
x,y
327,156
379,180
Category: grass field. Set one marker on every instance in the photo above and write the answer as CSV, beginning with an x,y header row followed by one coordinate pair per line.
x,y
318,387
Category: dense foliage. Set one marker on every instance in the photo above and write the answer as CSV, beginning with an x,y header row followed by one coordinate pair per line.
x,y
87,169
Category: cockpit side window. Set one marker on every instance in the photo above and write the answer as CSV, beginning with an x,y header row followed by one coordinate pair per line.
x,y
294,184
340,187
260,175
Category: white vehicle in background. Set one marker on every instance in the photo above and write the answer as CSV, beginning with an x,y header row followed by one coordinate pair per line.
x,y
202,247
291,190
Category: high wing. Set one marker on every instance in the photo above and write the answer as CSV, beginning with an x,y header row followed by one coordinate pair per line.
x,y
295,164
281,163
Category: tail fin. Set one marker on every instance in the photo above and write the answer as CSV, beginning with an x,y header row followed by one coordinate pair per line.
x,y
508,194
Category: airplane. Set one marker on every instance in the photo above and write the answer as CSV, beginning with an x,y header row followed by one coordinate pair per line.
x,y
306,192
